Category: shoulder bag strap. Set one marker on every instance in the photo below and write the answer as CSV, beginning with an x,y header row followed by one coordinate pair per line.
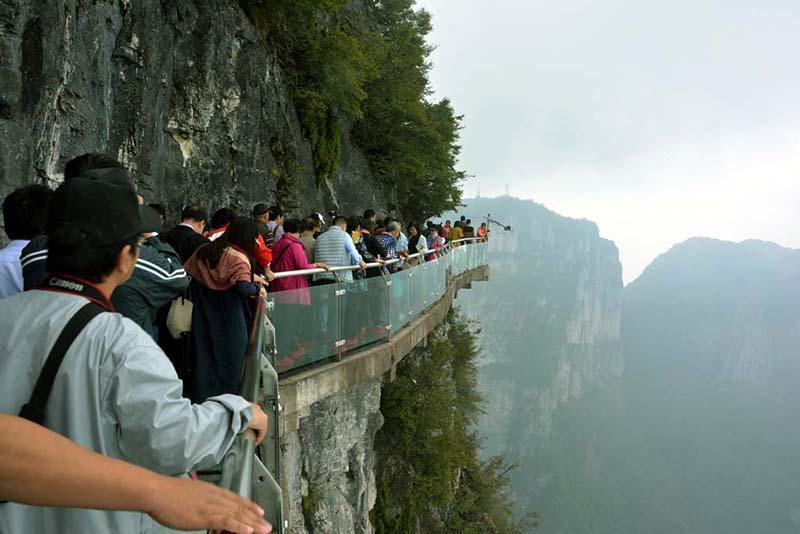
x,y
34,410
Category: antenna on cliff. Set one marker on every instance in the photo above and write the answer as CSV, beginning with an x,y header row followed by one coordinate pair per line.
x,y
507,190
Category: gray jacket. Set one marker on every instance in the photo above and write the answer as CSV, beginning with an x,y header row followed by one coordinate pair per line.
x,y
115,393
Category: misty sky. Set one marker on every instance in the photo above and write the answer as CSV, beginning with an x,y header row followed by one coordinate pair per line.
x,y
658,120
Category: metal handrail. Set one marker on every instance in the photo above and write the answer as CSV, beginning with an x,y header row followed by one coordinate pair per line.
x,y
306,272
241,468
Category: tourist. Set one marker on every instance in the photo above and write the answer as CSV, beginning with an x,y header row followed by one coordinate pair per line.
x,y
437,243
335,248
418,242
34,256
261,217
469,231
388,238
456,234
223,290
219,222
24,216
275,223
483,232
446,229
162,214
292,295
289,255
311,228
187,236
115,392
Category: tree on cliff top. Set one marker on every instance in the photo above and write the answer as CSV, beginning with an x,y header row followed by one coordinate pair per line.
x,y
364,64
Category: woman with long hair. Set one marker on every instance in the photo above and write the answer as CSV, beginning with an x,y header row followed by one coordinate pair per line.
x,y
224,290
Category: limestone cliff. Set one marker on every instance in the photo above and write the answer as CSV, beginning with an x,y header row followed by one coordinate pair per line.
x,y
328,464
550,324
183,92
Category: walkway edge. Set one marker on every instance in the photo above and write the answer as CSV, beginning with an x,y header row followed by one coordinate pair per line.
x,y
299,392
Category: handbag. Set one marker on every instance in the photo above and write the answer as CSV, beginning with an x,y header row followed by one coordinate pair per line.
x,y
179,317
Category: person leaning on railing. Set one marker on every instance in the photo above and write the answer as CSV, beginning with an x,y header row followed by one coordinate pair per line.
x,y
335,248
115,391
292,293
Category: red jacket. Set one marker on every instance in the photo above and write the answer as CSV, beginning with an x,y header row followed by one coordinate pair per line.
x,y
290,255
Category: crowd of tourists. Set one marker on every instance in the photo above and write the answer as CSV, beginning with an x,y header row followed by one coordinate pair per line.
x,y
129,338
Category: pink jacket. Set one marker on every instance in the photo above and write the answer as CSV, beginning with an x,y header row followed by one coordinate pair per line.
x,y
288,254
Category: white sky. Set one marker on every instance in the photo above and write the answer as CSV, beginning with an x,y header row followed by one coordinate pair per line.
x,y
658,120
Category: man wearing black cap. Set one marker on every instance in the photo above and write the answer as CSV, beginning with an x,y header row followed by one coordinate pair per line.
x,y
159,276
261,217
114,391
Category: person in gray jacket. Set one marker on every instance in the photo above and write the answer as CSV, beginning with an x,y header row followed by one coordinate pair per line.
x,y
115,392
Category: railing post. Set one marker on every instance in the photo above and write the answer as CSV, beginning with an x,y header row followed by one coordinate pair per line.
x,y
340,341
267,490
387,279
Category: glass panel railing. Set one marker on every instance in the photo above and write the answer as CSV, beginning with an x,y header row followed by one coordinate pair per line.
x,y
306,325
328,321
366,312
400,308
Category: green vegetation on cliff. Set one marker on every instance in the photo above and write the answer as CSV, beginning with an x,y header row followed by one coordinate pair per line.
x,y
429,475
363,65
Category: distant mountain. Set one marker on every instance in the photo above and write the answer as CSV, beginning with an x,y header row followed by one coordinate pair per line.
x,y
711,390
672,406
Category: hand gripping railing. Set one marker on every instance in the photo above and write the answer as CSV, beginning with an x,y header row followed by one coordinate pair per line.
x,y
252,473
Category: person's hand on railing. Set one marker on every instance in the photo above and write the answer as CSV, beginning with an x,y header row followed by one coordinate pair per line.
x,y
259,423
262,292
363,264
320,265
193,505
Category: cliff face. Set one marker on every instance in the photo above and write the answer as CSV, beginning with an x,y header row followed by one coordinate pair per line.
x,y
329,463
550,324
183,92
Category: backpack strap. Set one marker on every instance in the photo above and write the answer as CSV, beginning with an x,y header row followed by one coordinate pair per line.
x,y
34,409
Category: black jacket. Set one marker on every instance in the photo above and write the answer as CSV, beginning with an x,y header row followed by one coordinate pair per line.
x,y
184,240
158,278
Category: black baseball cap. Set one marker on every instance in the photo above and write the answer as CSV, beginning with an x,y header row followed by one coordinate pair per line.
x,y
260,209
106,211
113,175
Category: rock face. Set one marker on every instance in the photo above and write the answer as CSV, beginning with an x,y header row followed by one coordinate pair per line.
x,y
550,324
183,92
328,464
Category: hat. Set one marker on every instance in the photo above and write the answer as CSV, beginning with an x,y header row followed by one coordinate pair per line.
x,y
259,210
108,212
112,175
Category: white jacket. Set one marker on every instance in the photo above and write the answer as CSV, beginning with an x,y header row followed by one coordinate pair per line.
x,y
116,393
